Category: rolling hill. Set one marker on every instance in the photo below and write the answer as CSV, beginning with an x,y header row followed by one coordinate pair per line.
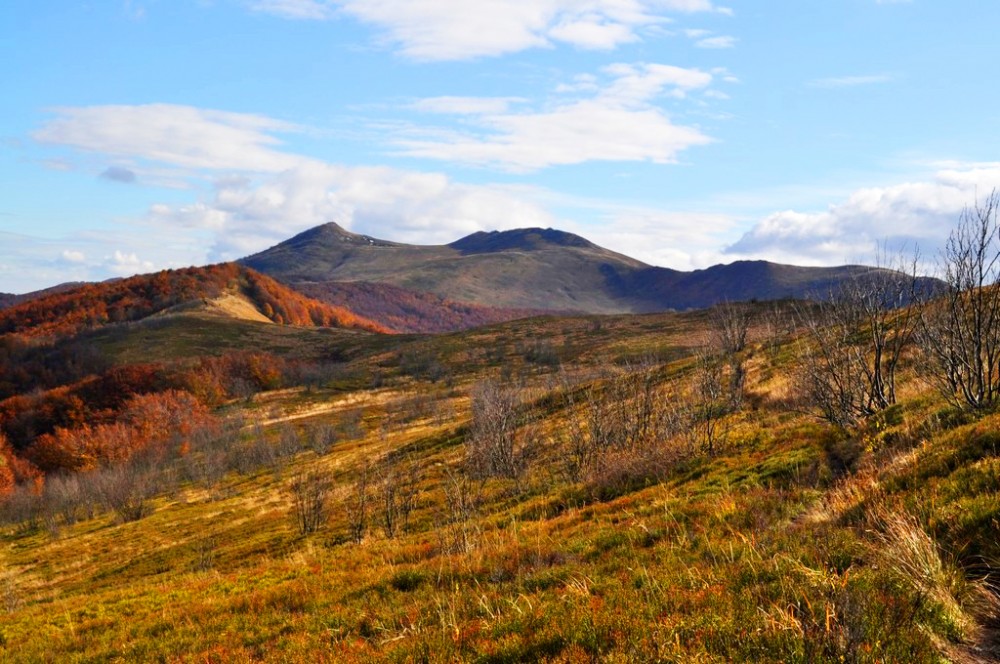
x,y
534,269
226,289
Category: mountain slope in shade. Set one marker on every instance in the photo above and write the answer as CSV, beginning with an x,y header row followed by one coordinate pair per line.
x,y
404,310
7,300
534,269
226,289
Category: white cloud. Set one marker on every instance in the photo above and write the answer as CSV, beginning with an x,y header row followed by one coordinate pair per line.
x,y
616,121
383,202
459,29
125,264
679,240
850,81
913,213
466,105
260,194
71,256
722,41
182,136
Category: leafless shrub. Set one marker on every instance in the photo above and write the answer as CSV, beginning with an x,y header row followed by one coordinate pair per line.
x,y
309,490
322,438
63,496
23,509
357,504
493,447
396,492
699,408
853,342
624,410
457,527
206,468
257,452
126,490
960,333
288,443
730,326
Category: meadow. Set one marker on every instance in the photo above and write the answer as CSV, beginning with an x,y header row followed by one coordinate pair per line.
x,y
366,516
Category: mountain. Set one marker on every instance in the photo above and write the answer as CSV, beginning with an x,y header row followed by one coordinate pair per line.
x,y
524,269
227,290
534,269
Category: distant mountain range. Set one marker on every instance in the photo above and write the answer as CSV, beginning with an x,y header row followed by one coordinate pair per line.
x,y
529,269
345,279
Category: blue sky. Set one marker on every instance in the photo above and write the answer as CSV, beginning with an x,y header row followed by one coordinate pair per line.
x,y
139,135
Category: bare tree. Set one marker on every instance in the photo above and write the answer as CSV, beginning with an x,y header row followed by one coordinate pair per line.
x,y
700,413
457,527
396,492
126,490
492,448
730,327
960,332
309,491
356,505
854,341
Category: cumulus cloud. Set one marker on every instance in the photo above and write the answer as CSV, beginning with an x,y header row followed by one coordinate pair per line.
x,y
458,29
251,204
125,264
118,174
613,118
904,215
682,240
262,195
247,216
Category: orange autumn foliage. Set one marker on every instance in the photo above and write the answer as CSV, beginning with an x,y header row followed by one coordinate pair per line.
x,y
135,298
149,422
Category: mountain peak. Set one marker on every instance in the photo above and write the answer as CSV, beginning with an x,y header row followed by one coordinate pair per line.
x,y
524,239
332,233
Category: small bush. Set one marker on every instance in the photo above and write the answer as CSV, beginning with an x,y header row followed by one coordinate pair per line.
x,y
406,580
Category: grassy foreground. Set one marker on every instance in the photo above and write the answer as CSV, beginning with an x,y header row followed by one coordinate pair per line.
x,y
789,541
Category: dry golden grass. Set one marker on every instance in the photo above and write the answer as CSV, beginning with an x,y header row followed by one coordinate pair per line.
x,y
757,552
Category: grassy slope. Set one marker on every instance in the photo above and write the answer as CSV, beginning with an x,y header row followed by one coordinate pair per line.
x,y
755,554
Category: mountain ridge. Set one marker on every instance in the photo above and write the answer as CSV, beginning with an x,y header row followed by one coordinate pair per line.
x,y
535,269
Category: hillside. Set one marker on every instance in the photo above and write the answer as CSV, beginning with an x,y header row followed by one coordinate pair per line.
x,y
534,269
403,310
9,299
225,289
352,521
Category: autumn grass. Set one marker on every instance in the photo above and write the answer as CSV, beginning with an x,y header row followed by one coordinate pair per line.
x,y
766,550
